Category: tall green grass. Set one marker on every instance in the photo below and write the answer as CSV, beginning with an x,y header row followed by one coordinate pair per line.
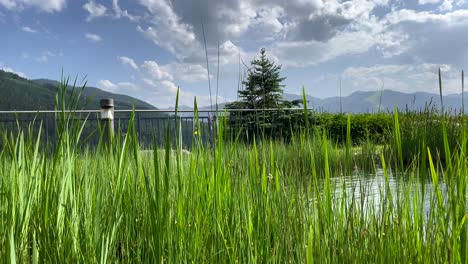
x,y
264,202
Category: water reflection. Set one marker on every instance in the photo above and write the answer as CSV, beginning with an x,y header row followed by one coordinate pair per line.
x,y
372,193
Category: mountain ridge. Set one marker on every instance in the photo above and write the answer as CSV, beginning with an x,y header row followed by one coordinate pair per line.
x,y
19,93
370,101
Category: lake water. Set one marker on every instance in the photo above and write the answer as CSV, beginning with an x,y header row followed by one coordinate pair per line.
x,y
369,191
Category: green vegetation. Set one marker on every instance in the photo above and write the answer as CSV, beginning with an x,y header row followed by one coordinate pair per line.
x,y
21,94
263,90
364,127
234,203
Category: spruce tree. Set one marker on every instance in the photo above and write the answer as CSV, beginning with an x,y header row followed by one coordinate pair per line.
x,y
263,90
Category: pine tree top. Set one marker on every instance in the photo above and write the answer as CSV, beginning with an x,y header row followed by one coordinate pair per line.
x,y
263,86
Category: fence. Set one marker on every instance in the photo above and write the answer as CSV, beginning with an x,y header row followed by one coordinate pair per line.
x,y
151,125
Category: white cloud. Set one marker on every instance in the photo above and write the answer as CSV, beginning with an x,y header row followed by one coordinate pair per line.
x,y
297,33
45,56
163,94
168,31
107,85
120,87
169,86
28,29
187,72
431,37
305,53
158,85
268,25
8,4
425,2
44,5
123,13
404,31
8,69
155,72
448,5
127,61
95,10
93,37
297,26
408,15
128,86
404,77
2,17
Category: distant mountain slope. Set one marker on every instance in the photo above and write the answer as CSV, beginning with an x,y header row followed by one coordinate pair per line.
x,y
18,93
368,102
121,101
373,101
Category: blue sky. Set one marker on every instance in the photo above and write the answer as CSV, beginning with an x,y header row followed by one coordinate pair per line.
x,y
148,48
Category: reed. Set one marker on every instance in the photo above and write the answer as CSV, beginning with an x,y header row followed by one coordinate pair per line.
x,y
264,202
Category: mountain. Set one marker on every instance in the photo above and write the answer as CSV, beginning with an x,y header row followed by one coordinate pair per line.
x,y
190,108
121,101
22,94
373,101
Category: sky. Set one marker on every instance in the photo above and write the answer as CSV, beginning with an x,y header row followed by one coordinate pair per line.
x,y
150,48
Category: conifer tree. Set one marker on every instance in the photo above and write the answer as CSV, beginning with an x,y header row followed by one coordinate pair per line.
x,y
263,90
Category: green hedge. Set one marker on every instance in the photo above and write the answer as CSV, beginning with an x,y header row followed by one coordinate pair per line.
x,y
364,127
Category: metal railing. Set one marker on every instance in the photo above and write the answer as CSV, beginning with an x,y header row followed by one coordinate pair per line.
x,y
152,125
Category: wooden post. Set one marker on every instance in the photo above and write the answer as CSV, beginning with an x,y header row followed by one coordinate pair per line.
x,y
107,119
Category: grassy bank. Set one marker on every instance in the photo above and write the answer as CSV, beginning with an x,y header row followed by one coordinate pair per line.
x,y
236,203
233,203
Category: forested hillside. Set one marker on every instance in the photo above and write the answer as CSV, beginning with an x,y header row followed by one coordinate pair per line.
x,y
18,93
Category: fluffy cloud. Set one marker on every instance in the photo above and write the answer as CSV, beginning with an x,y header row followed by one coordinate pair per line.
x,y
304,53
404,77
107,85
153,69
44,5
294,27
45,56
411,16
302,33
425,2
95,10
125,87
93,37
123,13
159,83
432,37
8,4
168,31
186,72
8,69
28,29
448,5
127,61
2,18
163,94
222,19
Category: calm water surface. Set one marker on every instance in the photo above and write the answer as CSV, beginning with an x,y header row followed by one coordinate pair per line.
x,y
369,191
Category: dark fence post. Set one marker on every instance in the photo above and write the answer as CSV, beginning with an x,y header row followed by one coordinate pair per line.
x,y
107,119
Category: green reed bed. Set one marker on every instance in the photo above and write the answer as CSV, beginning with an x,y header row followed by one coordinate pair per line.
x,y
265,202
231,203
